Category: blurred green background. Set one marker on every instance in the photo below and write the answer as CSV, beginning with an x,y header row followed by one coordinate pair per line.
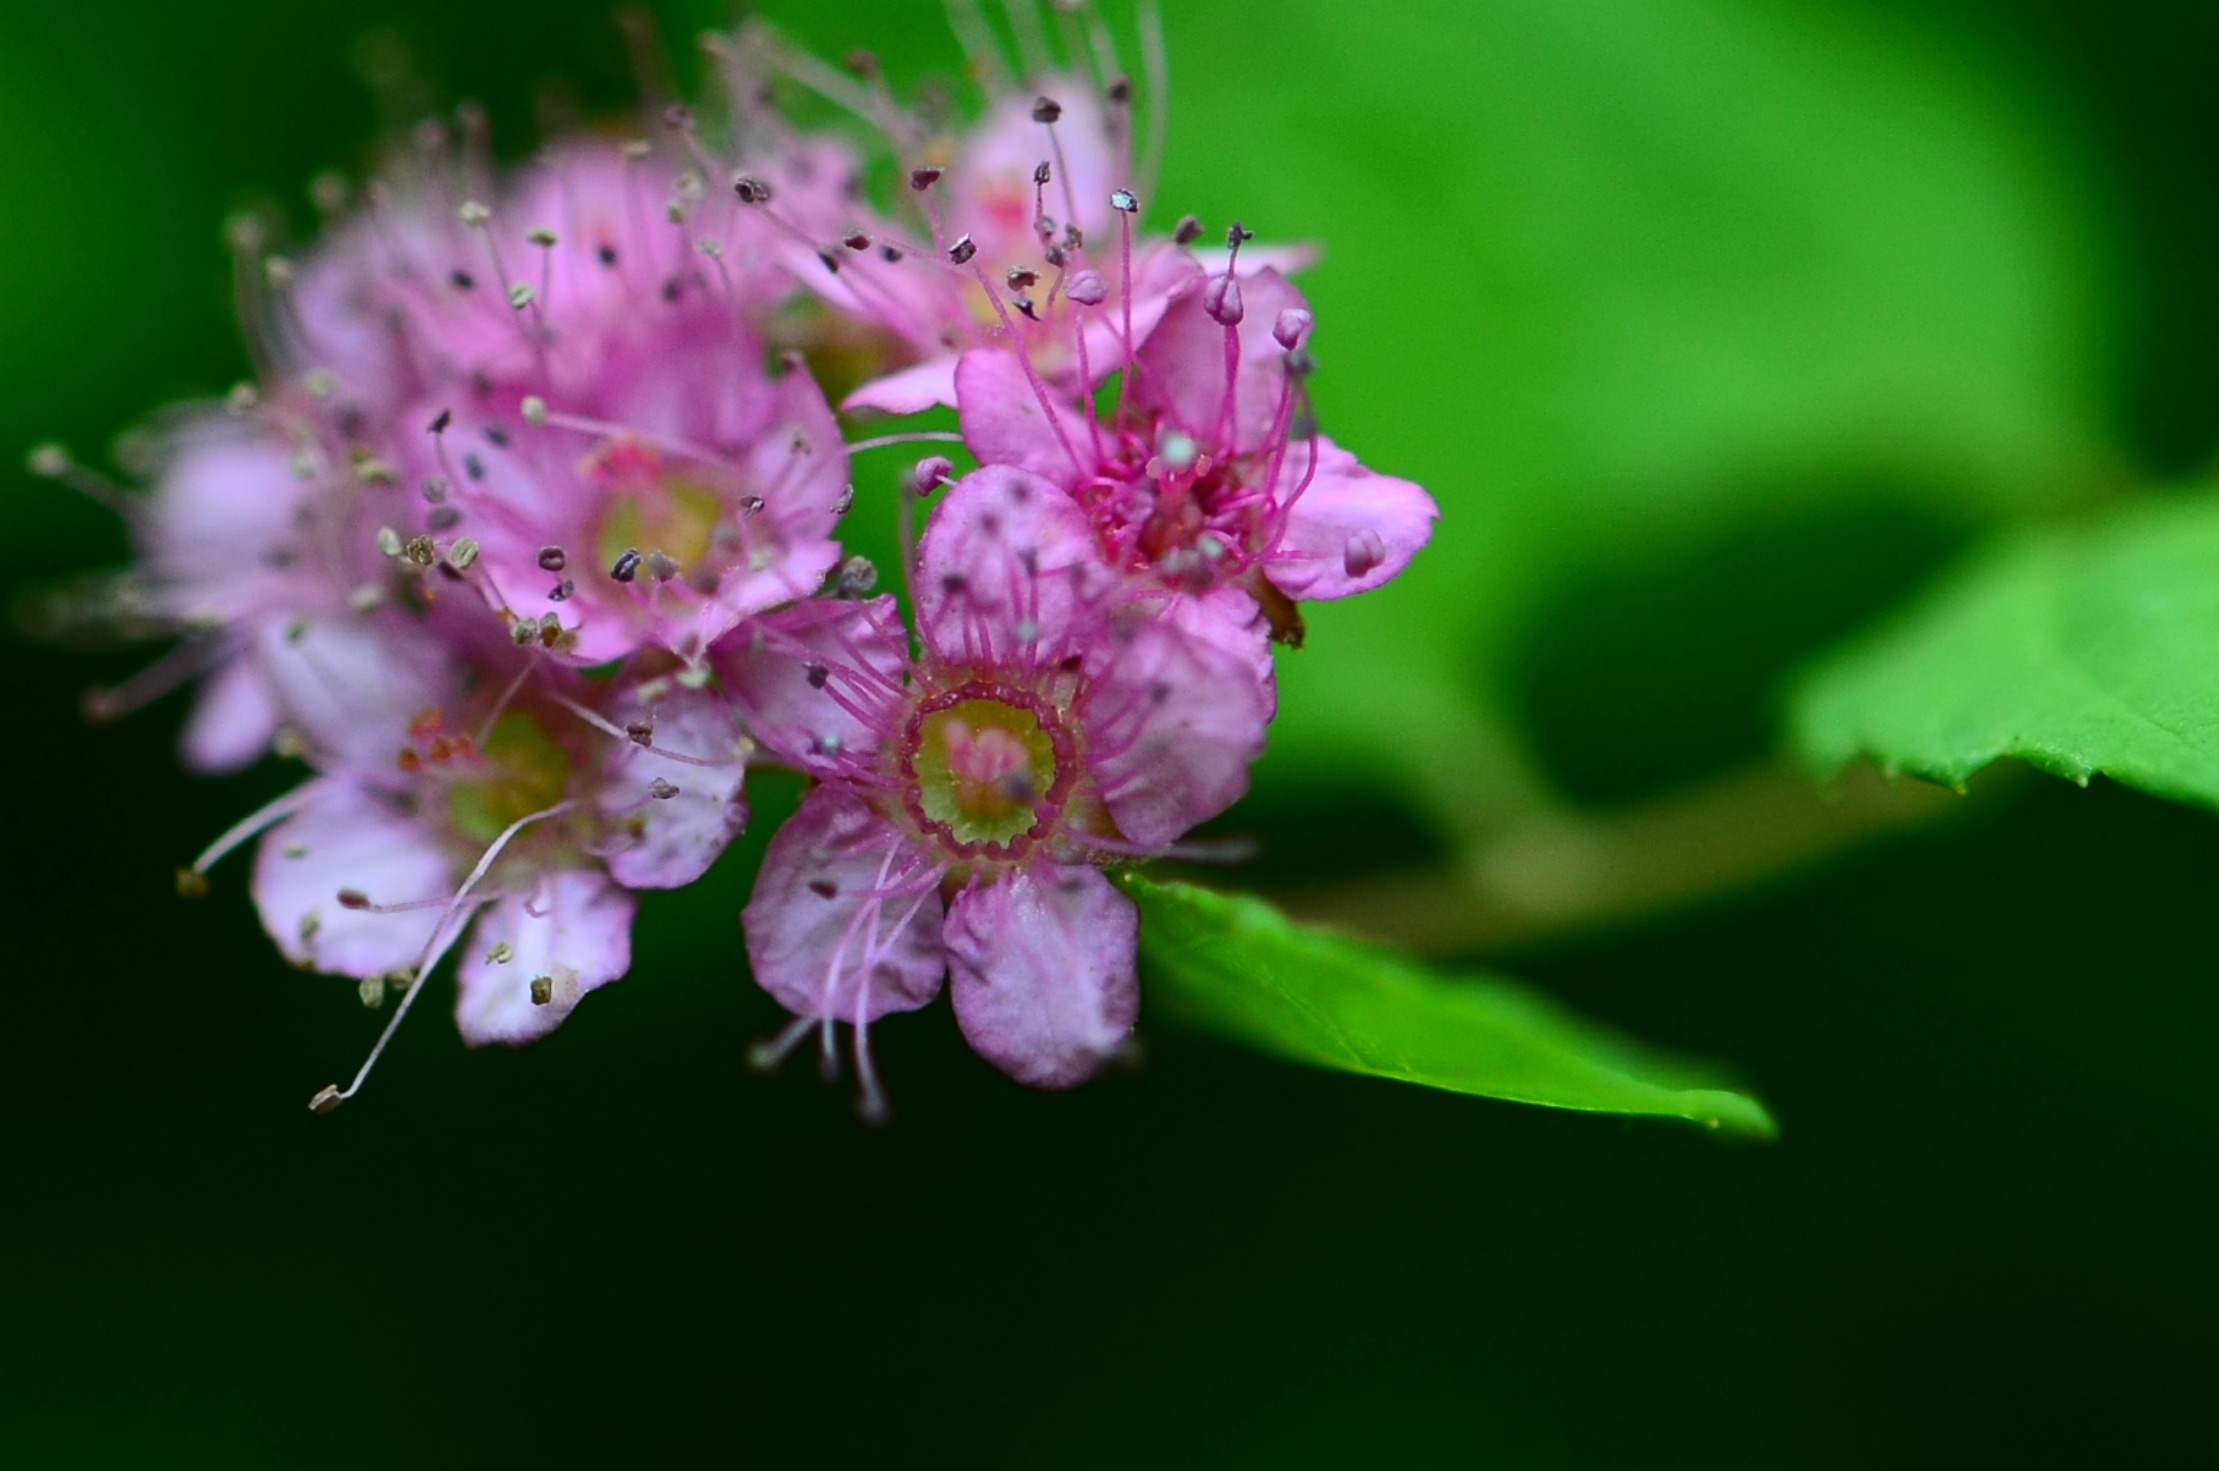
x,y
1716,325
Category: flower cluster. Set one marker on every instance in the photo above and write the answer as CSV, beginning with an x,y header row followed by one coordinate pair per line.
x,y
525,540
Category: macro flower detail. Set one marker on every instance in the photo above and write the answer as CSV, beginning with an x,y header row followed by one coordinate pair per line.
x,y
1211,475
525,540
968,798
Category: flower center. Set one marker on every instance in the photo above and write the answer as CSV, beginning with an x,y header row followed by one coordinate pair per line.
x,y
651,503
985,767
522,771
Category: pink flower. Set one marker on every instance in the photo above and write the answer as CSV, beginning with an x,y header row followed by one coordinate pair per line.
x,y
967,798
1022,229
1210,477
683,492
513,813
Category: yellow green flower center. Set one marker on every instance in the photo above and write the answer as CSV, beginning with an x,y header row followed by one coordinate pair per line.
x,y
523,771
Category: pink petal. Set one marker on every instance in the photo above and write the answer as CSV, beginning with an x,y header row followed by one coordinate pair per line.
x,y
351,686
844,923
233,720
1350,530
345,838
1183,366
1005,424
1008,573
575,931
770,669
1042,967
990,186
669,819
912,390
1177,714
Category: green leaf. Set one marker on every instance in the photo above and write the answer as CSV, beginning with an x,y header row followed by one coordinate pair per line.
x,y
2077,651
1235,965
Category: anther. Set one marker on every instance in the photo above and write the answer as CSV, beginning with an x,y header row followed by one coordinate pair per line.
x,y
561,592
553,559
627,565
1046,110
473,214
278,271
522,296
50,461
924,178
661,567
534,409
660,790
242,400
542,237
435,489
543,990
472,466
816,674
891,254
1187,231
327,1098
389,541
640,733
932,472
191,884
1041,174
751,189
353,899
962,251
856,240
421,551
320,382
857,578
606,254
1021,278
1120,91
1124,201
751,505
441,420
1221,299
1363,552
1087,288
830,261
372,991
462,554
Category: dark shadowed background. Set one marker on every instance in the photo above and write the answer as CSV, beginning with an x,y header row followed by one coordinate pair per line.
x,y
1716,325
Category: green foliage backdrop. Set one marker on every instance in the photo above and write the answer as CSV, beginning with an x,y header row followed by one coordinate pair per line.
x,y
1717,326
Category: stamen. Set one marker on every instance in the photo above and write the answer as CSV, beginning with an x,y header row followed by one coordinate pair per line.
x,y
265,816
442,939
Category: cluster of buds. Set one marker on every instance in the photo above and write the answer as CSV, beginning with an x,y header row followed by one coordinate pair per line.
x,y
525,540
